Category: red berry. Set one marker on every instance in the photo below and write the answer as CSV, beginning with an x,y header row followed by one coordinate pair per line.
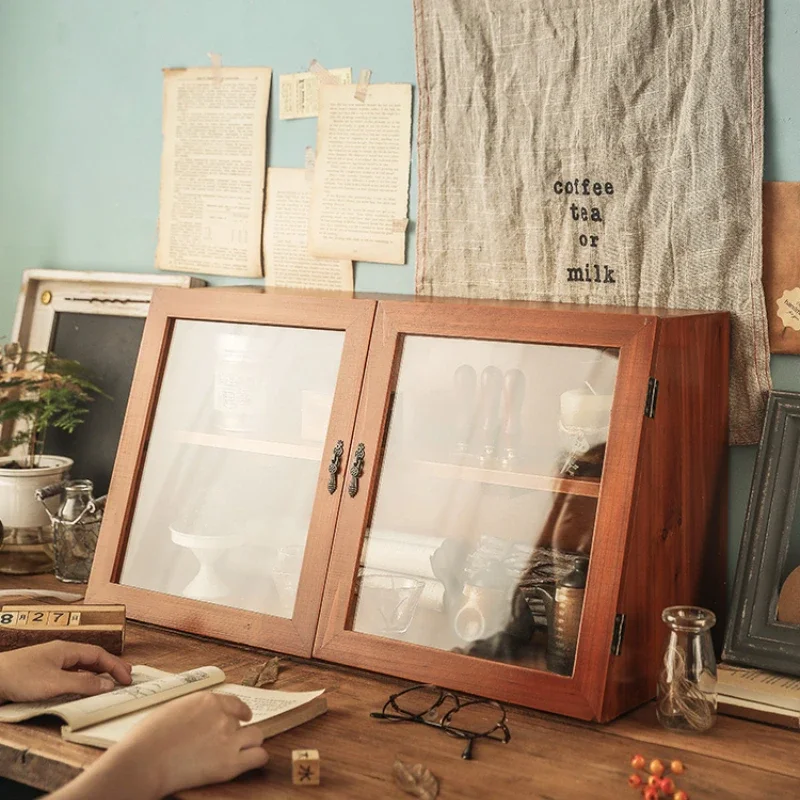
x,y
634,781
667,785
654,782
656,768
677,767
650,793
680,795
637,762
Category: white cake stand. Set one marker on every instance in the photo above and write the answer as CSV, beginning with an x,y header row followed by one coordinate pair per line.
x,y
206,584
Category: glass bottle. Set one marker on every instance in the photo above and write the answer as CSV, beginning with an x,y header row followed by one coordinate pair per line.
x,y
687,684
76,526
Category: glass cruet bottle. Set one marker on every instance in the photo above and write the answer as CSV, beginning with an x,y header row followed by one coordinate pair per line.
x,y
687,684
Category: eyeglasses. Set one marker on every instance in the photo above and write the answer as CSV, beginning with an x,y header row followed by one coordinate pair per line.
x,y
439,708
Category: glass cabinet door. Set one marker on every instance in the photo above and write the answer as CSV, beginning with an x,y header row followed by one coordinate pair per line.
x,y
223,503
230,476
481,529
467,550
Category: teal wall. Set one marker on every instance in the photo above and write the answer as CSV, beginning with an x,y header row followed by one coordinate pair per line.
x,y
80,115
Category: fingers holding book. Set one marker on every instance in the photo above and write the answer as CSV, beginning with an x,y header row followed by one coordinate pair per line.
x,y
55,668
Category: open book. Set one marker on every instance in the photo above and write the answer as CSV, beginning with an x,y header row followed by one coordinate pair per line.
x,y
759,695
104,719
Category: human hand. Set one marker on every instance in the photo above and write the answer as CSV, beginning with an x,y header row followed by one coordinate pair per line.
x,y
48,670
188,742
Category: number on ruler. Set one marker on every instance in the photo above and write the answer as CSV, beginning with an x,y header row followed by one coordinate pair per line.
x,y
37,619
8,618
57,618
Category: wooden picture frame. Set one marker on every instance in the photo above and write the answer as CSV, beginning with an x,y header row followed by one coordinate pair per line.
x,y
754,637
95,318
316,311
47,292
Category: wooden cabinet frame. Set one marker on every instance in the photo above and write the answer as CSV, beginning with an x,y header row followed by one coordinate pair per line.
x,y
294,635
660,529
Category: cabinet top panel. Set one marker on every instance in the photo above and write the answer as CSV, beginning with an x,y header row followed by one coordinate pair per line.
x,y
569,308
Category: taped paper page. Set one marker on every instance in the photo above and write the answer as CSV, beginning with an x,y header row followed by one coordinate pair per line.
x,y
213,170
287,261
300,91
360,185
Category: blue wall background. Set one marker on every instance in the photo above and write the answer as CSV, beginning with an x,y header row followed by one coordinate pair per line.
x,y
80,121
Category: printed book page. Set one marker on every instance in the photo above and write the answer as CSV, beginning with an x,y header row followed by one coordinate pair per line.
x,y
88,711
299,96
287,261
265,704
213,161
359,201
19,712
759,686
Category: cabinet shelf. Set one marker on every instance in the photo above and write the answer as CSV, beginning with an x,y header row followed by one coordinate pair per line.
x,y
309,452
587,487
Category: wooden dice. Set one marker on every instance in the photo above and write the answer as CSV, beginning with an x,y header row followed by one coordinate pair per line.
x,y
305,767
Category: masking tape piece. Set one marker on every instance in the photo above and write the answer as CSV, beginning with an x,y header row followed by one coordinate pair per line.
x,y
216,66
363,82
322,75
399,225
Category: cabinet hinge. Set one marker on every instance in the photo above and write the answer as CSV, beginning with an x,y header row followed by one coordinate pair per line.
x,y
652,397
618,635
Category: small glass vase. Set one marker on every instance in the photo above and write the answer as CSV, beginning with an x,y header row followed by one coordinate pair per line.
x,y
687,685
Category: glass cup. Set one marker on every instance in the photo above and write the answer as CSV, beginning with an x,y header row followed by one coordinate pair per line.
x,y
387,603
687,685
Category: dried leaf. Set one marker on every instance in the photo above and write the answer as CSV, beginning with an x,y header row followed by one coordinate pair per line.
x,y
417,780
265,674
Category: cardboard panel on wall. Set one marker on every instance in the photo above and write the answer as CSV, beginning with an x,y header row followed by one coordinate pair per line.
x,y
782,265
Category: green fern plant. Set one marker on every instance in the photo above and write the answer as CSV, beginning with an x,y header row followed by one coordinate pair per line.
x,y
39,391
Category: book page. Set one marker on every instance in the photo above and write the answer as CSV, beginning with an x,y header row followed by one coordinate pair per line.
x,y
267,703
287,261
264,704
359,201
92,710
19,712
299,98
213,161
759,686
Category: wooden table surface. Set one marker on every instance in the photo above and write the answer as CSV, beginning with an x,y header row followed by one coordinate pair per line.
x,y
548,757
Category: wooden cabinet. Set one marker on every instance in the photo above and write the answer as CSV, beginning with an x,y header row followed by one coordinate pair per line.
x,y
497,497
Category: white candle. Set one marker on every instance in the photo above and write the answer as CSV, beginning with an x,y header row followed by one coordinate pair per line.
x,y
581,408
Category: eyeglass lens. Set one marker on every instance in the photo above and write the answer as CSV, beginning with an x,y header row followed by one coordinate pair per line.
x,y
419,700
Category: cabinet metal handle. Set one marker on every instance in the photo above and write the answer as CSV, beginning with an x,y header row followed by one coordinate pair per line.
x,y
333,467
356,470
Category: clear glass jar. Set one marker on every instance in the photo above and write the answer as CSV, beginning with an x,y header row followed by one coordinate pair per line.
x,y
687,685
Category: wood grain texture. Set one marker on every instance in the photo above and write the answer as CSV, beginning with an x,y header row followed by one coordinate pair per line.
x,y
547,757
109,637
676,553
266,308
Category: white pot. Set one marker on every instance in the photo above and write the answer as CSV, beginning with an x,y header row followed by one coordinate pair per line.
x,y
19,507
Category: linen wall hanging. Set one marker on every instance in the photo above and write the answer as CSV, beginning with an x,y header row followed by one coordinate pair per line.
x,y
605,152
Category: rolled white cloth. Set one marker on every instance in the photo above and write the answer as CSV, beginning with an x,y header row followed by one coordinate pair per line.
x,y
407,554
